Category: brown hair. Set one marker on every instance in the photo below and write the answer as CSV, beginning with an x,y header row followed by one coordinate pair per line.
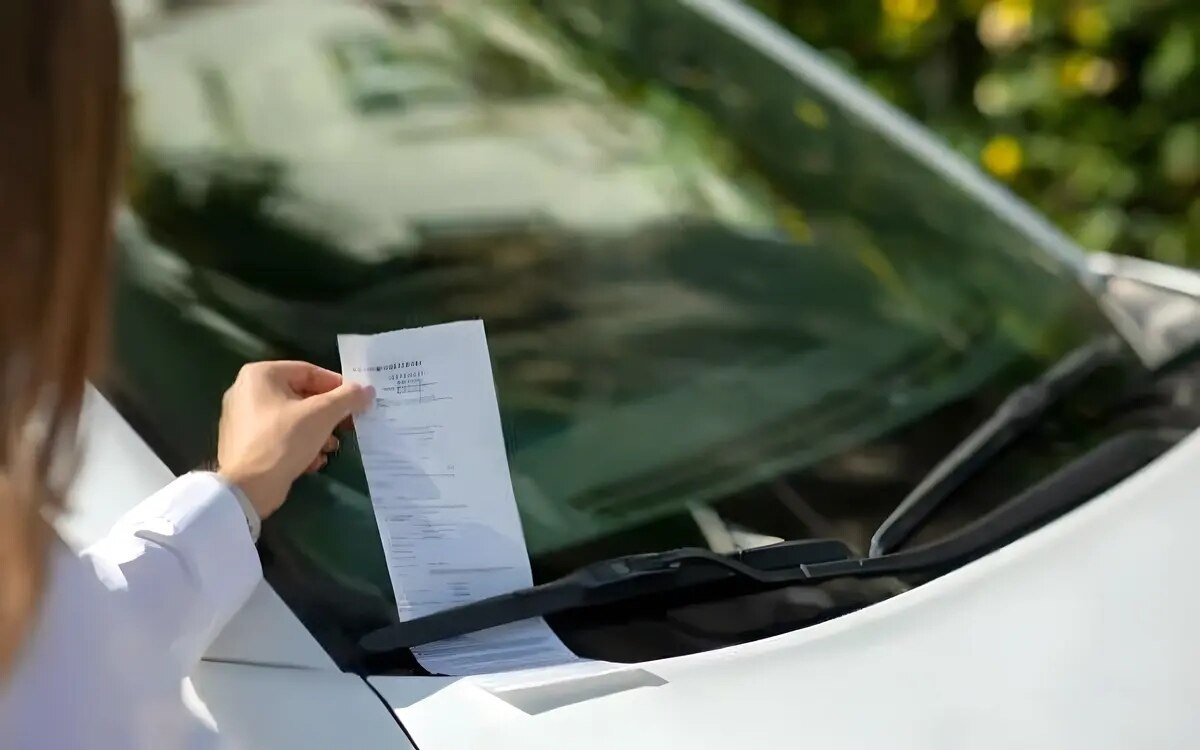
x,y
60,119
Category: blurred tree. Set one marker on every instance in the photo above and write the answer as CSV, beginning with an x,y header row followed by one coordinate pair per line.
x,y
1089,109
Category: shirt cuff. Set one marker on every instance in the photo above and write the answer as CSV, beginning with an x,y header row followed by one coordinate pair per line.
x,y
253,522
200,519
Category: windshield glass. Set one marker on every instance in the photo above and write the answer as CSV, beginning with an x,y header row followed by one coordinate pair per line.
x,y
722,309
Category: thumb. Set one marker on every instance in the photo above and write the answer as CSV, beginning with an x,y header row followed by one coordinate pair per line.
x,y
332,407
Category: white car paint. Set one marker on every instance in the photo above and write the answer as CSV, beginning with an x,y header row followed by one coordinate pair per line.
x,y
1081,634
261,708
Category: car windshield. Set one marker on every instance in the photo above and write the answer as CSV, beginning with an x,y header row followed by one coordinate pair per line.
x,y
723,308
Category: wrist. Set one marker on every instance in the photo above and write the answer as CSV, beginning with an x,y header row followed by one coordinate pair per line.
x,y
253,519
258,491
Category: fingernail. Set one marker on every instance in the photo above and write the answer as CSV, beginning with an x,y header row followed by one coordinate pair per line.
x,y
368,397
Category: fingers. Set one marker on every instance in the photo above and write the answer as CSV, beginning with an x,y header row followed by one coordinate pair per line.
x,y
302,378
322,460
312,380
334,406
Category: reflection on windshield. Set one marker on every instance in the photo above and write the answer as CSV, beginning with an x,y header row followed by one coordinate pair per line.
x,y
704,284
375,135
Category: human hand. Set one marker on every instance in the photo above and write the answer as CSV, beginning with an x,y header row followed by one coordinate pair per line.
x,y
277,422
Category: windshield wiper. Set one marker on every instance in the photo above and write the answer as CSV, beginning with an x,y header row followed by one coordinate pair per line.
x,y
615,580
1020,410
776,566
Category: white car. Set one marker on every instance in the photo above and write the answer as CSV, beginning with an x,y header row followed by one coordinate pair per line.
x,y
792,381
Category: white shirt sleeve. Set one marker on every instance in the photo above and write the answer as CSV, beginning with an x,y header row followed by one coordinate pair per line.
x,y
120,626
182,563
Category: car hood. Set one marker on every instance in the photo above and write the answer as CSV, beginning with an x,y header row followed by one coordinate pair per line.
x,y
1081,634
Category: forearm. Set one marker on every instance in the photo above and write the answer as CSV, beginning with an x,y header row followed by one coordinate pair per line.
x,y
183,562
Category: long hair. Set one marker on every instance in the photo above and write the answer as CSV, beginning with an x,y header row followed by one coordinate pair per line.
x,y
60,126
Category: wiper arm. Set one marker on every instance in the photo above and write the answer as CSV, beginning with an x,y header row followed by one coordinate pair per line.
x,y
803,562
1019,411
610,581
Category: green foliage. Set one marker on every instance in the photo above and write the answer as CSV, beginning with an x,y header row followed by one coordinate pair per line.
x,y
1089,109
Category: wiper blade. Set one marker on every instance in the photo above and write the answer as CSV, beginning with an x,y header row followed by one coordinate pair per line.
x,y
803,562
615,580
1020,410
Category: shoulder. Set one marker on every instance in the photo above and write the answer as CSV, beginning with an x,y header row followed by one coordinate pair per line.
x,y
67,658
74,622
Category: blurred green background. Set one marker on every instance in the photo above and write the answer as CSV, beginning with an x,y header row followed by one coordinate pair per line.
x,y
1089,109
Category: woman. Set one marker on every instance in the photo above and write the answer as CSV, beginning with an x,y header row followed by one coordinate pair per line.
x,y
93,647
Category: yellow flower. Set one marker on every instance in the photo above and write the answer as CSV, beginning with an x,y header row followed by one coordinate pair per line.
x,y
993,95
1004,24
1081,71
910,11
795,223
1002,156
1089,25
811,114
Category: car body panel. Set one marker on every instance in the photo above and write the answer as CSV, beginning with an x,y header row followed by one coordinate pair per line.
x,y
117,470
1161,301
297,709
1081,634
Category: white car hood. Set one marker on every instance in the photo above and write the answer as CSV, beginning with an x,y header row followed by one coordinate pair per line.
x,y
1085,633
